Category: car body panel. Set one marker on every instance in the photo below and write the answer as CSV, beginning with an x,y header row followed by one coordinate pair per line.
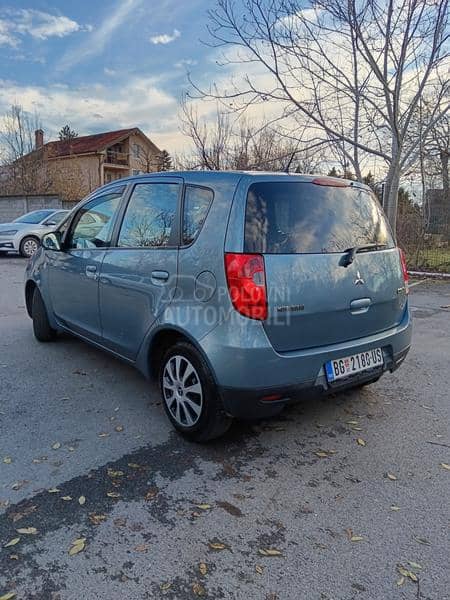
x,y
124,310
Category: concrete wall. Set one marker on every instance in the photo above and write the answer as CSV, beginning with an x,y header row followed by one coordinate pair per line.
x,y
12,207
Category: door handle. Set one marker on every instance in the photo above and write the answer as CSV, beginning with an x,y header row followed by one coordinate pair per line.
x,y
360,306
91,272
160,275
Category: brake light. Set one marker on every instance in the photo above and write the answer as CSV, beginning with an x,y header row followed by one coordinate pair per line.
x,y
404,269
246,280
330,181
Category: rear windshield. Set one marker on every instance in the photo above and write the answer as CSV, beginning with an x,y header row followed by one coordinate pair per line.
x,y
295,217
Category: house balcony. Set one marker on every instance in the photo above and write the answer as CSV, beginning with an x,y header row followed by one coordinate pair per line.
x,y
114,158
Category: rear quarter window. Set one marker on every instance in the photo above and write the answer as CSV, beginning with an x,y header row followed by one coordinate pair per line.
x,y
197,201
301,217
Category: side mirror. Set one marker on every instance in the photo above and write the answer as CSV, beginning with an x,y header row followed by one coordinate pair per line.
x,y
52,241
50,223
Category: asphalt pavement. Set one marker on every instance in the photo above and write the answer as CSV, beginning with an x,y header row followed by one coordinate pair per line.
x,y
342,498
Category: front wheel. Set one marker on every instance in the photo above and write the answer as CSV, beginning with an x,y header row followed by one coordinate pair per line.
x,y
28,246
190,394
42,330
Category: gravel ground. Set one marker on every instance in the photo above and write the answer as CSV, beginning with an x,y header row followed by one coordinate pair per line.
x,y
256,515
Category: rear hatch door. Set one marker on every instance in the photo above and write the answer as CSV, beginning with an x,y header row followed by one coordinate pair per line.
x,y
319,292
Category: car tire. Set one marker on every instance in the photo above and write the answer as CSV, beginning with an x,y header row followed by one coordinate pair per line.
x,y
28,246
190,395
42,330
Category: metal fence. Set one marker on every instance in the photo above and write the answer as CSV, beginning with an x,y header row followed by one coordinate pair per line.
x,y
424,233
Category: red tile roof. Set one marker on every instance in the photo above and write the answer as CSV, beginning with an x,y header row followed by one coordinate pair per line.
x,y
87,143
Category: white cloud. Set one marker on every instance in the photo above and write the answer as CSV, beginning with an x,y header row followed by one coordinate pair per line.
x,y
43,25
136,102
96,42
109,72
185,62
165,38
38,24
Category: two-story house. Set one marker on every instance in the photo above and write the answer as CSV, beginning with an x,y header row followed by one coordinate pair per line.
x,y
73,168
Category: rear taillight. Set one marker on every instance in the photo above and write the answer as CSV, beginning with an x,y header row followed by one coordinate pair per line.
x,y
404,269
246,280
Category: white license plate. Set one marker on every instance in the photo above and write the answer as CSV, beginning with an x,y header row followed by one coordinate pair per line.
x,y
343,367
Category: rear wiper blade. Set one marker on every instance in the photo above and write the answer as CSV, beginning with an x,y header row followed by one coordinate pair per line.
x,y
351,252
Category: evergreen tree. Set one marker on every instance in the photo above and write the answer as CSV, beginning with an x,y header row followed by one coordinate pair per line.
x,y
65,133
165,161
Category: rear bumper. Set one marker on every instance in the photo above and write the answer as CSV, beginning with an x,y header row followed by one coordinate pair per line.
x,y
258,404
245,375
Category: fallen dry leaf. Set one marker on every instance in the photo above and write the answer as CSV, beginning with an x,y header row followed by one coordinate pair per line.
x,y
141,548
165,586
18,485
204,506
27,530
360,442
423,541
391,476
321,454
13,557
203,568
56,445
217,546
414,565
103,434
259,569
96,519
445,466
395,508
12,542
112,473
7,460
113,494
53,490
77,546
16,516
118,428
66,498
269,552
198,589
82,500
401,581
135,466
8,596
356,538
151,493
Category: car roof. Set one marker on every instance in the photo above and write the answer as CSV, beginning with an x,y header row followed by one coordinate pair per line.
x,y
211,177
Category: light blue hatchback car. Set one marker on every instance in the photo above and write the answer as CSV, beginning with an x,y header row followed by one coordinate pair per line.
x,y
238,291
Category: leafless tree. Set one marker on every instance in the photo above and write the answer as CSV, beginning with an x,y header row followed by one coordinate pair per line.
x,y
228,141
352,70
23,168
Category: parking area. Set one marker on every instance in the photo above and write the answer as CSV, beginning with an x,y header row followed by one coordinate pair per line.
x,y
336,499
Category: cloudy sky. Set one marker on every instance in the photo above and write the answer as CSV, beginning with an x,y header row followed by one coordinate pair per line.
x,y
103,65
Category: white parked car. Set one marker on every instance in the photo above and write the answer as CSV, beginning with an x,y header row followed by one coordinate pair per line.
x,y
24,234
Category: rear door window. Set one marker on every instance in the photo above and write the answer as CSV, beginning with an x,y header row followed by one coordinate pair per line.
x,y
149,216
297,218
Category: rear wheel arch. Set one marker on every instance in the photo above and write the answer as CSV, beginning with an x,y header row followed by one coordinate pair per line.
x,y
164,339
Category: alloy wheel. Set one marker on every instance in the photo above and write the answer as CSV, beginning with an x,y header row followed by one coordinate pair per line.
x,y
182,391
29,247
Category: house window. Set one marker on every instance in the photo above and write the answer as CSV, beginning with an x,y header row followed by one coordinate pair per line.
x,y
137,150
